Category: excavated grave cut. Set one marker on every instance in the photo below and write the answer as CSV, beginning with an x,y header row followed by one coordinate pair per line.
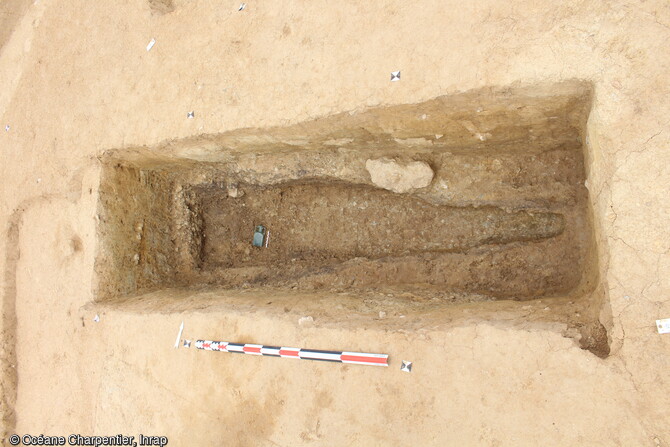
x,y
506,215
341,236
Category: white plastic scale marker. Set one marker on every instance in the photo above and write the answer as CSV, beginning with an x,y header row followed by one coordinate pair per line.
x,y
181,329
663,326
151,44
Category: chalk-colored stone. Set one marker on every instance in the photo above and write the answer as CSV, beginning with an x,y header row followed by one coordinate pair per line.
x,y
399,177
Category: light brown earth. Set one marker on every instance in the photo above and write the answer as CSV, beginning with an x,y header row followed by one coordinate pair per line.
x,y
529,314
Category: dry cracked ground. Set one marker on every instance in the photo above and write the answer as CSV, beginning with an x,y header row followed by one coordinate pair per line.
x,y
498,216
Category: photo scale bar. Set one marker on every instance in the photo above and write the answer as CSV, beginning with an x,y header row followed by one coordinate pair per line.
x,y
357,358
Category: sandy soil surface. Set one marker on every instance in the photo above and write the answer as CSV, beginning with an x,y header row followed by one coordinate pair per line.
x,y
77,83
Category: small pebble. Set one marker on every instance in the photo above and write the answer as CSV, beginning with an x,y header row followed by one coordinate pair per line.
x,y
234,191
305,320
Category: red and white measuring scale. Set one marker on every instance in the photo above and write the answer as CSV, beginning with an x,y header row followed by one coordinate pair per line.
x,y
358,358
